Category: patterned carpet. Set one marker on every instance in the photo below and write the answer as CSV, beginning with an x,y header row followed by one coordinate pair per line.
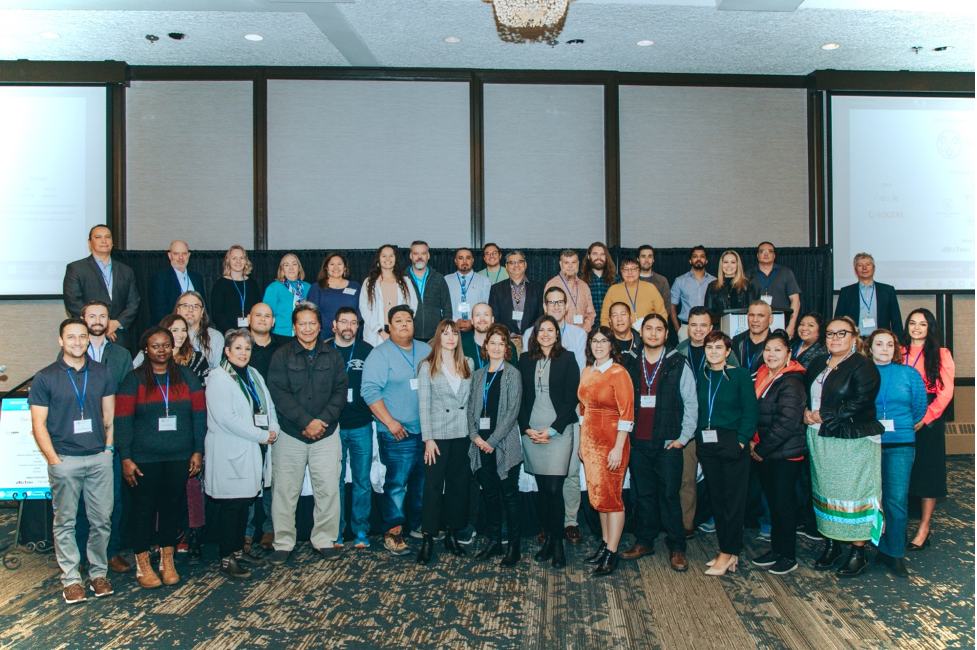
x,y
373,600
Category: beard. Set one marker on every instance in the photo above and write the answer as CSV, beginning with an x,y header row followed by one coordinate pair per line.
x,y
97,330
698,266
599,265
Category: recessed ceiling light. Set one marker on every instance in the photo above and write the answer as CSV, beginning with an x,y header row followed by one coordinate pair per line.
x,y
254,37
830,46
943,48
644,43
452,39
49,35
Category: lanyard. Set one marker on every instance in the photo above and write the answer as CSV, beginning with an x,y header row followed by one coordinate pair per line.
x,y
465,286
166,395
96,353
749,347
797,350
712,395
295,291
644,369
916,360
84,390
868,305
411,362
478,356
488,385
498,274
634,303
107,276
702,362
766,283
885,393
241,294
827,370
576,291
254,392
417,281
352,351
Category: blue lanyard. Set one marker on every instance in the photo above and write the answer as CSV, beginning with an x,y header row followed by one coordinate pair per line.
x,y
702,362
166,395
352,351
498,274
241,294
634,303
487,385
576,291
712,395
868,305
916,360
411,362
252,390
478,356
885,393
644,369
106,276
766,283
749,346
417,281
465,287
84,390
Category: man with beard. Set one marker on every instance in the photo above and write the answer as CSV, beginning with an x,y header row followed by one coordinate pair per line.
x,y
689,290
467,289
433,297
646,259
599,273
472,341
204,338
167,284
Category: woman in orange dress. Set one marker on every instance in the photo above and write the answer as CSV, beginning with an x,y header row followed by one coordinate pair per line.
x,y
607,405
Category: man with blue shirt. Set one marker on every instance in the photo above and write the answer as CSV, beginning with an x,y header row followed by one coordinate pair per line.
x,y
689,290
467,288
433,297
871,304
389,388
170,283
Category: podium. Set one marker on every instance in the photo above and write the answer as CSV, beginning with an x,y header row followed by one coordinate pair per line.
x,y
734,321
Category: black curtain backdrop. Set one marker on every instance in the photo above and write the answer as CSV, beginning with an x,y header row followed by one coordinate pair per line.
x,y
811,266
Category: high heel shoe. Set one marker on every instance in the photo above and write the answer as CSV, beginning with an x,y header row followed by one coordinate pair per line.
x,y
607,564
595,557
711,562
721,571
919,547
832,551
452,545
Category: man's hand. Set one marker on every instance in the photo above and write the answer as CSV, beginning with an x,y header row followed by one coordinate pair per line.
x,y
196,464
397,430
315,430
675,445
129,472
110,330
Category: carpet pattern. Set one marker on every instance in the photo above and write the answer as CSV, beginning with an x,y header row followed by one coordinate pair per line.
x,y
370,599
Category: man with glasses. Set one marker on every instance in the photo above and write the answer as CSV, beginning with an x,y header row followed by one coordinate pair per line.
x,y
572,337
689,290
748,345
519,302
494,271
466,288
776,285
643,297
646,259
580,306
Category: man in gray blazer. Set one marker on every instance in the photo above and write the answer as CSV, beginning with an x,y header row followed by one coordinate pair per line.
x,y
99,278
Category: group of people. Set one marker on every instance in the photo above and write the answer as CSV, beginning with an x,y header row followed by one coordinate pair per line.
x,y
470,378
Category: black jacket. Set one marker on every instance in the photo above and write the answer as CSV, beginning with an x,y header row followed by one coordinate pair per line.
x,y
887,306
433,307
564,381
750,354
718,302
847,397
164,289
781,419
304,389
500,300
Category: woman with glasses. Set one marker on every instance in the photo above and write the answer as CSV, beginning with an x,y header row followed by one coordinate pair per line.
x,y
607,406
732,289
809,343
235,292
844,440
288,290
333,289
922,350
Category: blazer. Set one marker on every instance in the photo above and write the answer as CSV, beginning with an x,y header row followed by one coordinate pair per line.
x,y
500,300
373,315
506,438
164,289
83,283
887,306
564,381
443,412
847,397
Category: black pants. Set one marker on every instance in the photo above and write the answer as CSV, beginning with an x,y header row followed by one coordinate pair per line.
x,y
446,486
656,480
779,478
232,524
549,502
500,494
726,468
157,493
802,492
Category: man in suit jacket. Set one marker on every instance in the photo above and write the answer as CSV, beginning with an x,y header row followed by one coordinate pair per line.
x,y
872,305
519,302
98,278
168,284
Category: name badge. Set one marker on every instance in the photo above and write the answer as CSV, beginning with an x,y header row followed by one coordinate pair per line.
x,y
261,420
577,319
710,435
349,394
349,291
648,401
242,322
868,322
464,308
888,425
636,325
414,383
517,315
167,424
767,299
83,426
579,418
484,423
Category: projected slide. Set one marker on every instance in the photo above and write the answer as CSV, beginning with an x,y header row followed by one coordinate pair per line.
x,y
903,189
52,182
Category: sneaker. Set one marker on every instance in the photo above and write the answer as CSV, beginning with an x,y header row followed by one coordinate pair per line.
x,y
764,534
338,544
393,541
813,536
362,541
74,593
278,558
708,526
183,545
466,536
767,559
101,587
331,554
782,566
417,534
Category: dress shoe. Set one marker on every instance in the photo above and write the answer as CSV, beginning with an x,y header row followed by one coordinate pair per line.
x,y
919,547
678,561
492,549
594,558
559,555
637,551
512,555
573,534
247,559
452,545
546,552
730,566
427,550
832,551
607,564
689,533
233,570
119,564
856,563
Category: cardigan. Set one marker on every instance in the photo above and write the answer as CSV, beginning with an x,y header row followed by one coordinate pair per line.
x,y
505,439
373,313
282,303
442,410
902,399
564,381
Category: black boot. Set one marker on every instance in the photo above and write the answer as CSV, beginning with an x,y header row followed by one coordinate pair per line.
x,y
546,551
493,548
559,556
512,555
427,550
193,546
830,555
232,569
607,564
595,557
898,567
451,544
856,563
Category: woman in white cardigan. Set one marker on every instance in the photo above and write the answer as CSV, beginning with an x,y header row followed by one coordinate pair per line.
x,y
240,423
385,287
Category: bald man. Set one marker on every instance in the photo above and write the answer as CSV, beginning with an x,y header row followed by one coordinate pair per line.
x,y
167,285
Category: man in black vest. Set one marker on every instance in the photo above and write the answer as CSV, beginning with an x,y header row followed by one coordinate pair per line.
x,y
666,410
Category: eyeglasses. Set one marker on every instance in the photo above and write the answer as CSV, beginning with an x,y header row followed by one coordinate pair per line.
x,y
516,262
600,342
556,303
840,334
190,306
347,323
629,269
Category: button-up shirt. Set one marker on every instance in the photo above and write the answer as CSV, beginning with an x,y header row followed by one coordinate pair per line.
x,y
106,269
579,301
476,290
598,289
689,292
868,307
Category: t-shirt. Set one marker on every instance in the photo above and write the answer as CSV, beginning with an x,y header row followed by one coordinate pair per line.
x,y
356,414
779,285
55,387
261,354
697,356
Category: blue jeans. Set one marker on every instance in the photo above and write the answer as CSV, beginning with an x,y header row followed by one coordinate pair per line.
x,y
81,519
897,464
404,481
358,448
267,526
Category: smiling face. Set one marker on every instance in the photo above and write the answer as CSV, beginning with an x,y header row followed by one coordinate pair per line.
x,y
496,347
419,256
716,354
191,310
100,241
729,265
865,269
775,355
179,331
388,259
261,319
345,326
918,328
450,339
630,272
555,305
159,348
335,268
464,260
546,336
97,318
883,349
238,352
237,260
74,340
179,255
600,347
515,266
808,330
491,256
307,327
699,325
839,337
598,258
482,317
290,268
620,319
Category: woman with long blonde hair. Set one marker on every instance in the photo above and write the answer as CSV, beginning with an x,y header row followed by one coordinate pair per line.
x,y
235,292
732,289
288,290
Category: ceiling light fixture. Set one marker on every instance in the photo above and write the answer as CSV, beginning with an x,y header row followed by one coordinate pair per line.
x,y
254,37
943,48
178,36
830,46
645,43
452,39
51,35
529,21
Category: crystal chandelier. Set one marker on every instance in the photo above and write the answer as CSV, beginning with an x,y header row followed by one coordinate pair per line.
x,y
529,21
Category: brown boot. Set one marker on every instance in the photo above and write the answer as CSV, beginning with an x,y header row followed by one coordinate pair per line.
x,y
166,569
144,572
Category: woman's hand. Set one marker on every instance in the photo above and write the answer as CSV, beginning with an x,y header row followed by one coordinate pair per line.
x,y
816,416
484,446
542,437
919,425
430,451
614,458
272,437
196,464
129,472
808,420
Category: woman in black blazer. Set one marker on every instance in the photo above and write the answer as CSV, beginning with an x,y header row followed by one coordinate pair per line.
x,y
550,376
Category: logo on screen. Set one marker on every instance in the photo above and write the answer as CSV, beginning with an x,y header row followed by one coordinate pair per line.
x,y
949,144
